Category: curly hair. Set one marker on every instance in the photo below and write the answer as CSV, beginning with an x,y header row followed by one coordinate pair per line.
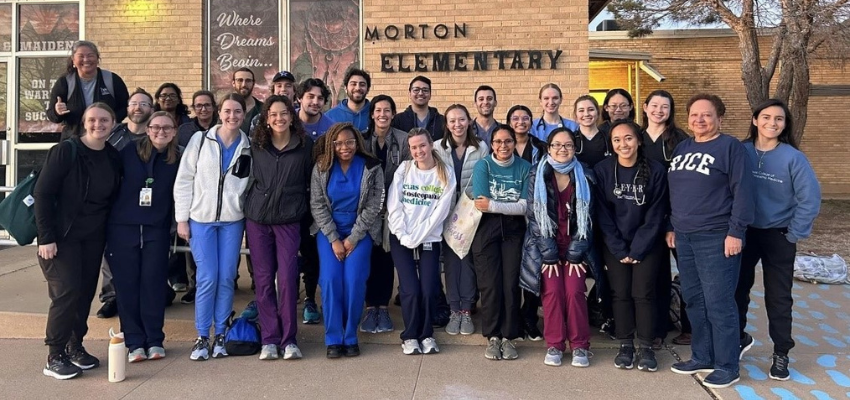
x,y
263,133
326,159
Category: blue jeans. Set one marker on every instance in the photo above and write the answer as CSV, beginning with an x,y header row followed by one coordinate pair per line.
x,y
215,247
709,280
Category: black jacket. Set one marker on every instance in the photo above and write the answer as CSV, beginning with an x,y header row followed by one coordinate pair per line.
x,y
77,104
407,121
187,130
126,209
278,192
62,188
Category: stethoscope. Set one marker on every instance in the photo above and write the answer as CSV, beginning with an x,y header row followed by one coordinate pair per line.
x,y
542,124
619,192
394,151
663,147
580,143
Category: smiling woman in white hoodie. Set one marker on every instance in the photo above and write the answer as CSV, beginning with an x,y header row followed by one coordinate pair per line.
x,y
418,202
213,175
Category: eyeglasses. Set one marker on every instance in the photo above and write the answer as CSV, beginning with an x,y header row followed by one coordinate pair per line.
x,y
565,146
417,90
619,106
345,143
202,106
506,142
168,96
520,119
139,104
243,80
163,128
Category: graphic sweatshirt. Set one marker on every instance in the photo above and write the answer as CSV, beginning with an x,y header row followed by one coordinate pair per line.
x,y
418,204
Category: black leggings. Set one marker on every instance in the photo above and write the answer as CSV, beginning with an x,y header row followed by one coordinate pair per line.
x,y
633,294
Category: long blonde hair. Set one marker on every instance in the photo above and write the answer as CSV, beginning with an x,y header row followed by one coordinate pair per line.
x,y
145,147
441,166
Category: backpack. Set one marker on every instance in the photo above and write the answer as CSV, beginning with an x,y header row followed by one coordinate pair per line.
x,y
242,337
677,303
71,79
17,214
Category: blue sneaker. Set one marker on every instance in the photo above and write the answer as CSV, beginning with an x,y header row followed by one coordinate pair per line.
x,y
720,379
690,367
311,312
370,321
385,324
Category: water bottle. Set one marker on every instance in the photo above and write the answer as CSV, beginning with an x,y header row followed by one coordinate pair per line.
x,y
117,356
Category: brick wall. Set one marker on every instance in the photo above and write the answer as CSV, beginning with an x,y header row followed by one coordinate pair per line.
x,y
712,64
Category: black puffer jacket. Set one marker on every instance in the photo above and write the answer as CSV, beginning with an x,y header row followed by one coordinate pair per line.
x,y
279,190
407,121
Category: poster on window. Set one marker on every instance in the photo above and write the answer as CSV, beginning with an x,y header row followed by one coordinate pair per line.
x,y
48,27
5,27
324,41
243,34
36,77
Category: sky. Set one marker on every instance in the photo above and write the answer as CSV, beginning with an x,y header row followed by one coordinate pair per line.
x,y
667,25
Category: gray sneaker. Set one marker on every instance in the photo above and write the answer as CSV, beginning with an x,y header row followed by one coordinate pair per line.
x,y
508,350
291,352
494,349
201,349
411,347
581,358
466,326
269,352
553,357
218,347
453,327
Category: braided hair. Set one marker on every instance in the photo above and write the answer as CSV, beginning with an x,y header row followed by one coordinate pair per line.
x,y
643,172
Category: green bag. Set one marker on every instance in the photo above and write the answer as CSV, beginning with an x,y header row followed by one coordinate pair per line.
x,y
17,211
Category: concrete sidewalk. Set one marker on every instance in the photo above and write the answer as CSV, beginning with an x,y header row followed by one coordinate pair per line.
x,y
819,363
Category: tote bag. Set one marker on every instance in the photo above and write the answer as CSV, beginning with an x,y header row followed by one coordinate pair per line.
x,y
462,224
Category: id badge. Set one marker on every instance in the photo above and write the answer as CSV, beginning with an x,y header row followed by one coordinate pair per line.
x,y
145,197
427,246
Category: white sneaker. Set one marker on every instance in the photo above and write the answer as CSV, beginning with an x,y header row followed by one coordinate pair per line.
x,y
411,346
156,353
201,349
429,346
581,358
218,347
137,355
291,352
553,357
269,352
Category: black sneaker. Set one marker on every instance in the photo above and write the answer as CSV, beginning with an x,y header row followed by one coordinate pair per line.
x,y
108,310
646,360
608,328
81,358
532,332
779,368
746,344
60,367
625,357
189,297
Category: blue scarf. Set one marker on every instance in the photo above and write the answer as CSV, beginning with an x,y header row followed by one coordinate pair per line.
x,y
547,226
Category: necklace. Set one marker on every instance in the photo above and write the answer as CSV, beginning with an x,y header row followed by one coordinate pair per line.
x,y
761,153
619,192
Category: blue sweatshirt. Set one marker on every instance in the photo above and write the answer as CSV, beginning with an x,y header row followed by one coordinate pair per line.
x,y
341,113
710,188
506,184
787,193
126,209
632,221
316,130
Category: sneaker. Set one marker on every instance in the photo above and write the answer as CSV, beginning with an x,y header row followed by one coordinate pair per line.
x,y
269,352
370,321
453,327
508,350
494,349
351,350
779,368
156,352
60,367
179,287
334,351
553,357
466,326
385,324
411,346
581,358
625,357
720,379
429,346
646,360
81,358
108,310
291,352
189,297
690,367
137,355
218,347
201,349
311,312
533,333
441,319
746,344
607,328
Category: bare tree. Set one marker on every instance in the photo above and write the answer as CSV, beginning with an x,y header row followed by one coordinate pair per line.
x,y
799,28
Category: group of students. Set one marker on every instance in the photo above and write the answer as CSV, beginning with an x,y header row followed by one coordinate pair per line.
x,y
560,200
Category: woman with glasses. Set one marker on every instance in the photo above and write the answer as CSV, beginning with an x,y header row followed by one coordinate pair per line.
x,y
169,98
618,104
631,208
550,99
276,201
559,225
499,187
139,232
390,146
203,104
84,84
461,150
346,198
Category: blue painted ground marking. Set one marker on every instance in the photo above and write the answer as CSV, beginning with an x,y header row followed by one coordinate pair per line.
x,y
784,394
827,361
835,342
839,378
821,395
828,329
755,372
817,314
806,341
747,393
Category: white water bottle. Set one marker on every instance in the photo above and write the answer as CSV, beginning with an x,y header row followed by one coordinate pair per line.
x,y
117,356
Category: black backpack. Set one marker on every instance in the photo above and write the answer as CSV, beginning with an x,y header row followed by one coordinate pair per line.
x,y
677,303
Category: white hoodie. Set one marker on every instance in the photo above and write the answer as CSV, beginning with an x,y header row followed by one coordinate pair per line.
x,y
418,204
